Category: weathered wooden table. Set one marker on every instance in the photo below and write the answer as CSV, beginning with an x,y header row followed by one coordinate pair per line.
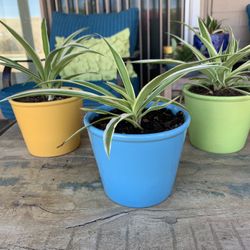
x,y
59,203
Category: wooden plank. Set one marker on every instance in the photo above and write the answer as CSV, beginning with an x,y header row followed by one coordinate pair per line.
x,y
59,203
5,124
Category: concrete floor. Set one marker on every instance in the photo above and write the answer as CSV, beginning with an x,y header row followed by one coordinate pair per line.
x,y
59,203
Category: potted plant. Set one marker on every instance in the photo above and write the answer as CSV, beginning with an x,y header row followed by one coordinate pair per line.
x,y
46,120
181,52
219,101
146,132
219,36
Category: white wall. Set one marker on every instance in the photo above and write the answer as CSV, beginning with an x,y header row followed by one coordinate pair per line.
x,y
192,12
233,13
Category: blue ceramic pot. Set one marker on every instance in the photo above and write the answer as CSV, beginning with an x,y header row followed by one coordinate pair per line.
x,y
141,169
217,39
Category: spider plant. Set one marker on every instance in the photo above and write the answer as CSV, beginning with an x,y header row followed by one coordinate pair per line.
x,y
225,75
133,108
182,52
54,62
213,25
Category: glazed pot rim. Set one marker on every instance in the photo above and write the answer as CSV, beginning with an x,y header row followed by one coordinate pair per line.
x,y
214,98
44,104
141,137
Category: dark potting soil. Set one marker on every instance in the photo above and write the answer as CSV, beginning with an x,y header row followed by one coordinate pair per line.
x,y
153,122
222,92
36,99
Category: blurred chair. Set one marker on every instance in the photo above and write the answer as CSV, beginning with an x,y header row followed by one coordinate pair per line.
x,y
63,25
248,15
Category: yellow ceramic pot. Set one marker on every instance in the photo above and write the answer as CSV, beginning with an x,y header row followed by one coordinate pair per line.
x,y
46,125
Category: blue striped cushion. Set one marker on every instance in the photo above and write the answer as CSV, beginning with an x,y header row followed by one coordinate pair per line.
x,y
103,24
248,15
5,106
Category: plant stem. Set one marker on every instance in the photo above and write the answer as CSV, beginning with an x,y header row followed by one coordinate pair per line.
x,y
50,97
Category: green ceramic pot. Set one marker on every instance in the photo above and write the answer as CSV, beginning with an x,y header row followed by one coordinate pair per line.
x,y
218,124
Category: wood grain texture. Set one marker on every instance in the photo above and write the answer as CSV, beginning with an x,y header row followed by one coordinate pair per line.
x,y
5,124
59,203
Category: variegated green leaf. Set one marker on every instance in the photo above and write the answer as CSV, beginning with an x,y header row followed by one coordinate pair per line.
x,y
122,71
73,35
158,106
99,111
65,61
110,129
105,100
208,44
120,90
86,84
159,83
203,30
12,64
52,57
159,61
28,49
45,38
82,129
